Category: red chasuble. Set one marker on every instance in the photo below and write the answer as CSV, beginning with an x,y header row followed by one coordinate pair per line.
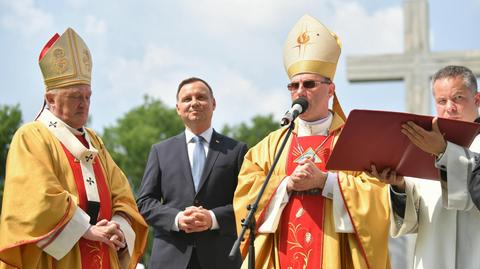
x,y
94,254
301,224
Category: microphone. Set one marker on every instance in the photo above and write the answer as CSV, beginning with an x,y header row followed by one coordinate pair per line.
x,y
299,106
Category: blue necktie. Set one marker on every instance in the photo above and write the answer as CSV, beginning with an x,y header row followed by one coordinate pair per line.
x,y
198,160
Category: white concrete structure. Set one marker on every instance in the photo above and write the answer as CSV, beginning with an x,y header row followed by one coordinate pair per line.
x,y
416,65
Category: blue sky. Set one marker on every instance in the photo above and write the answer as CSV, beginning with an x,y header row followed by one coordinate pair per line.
x,y
147,47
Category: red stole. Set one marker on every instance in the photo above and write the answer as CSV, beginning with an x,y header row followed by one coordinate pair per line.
x,y
94,254
301,224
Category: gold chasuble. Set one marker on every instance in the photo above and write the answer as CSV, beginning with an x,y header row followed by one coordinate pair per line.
x,y
44,189
306,236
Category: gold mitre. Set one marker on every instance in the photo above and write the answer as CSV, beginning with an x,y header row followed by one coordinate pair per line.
x,y
65,60
311,48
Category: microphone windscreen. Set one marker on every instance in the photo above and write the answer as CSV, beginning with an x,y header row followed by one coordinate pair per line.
x,y
302,102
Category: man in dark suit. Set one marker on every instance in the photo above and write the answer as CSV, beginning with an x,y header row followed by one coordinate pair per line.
x,y
187,189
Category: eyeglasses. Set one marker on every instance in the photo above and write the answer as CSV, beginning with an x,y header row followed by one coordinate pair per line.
x,y
307,84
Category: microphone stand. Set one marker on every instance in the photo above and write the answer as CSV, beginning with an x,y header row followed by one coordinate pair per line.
x,y
249,221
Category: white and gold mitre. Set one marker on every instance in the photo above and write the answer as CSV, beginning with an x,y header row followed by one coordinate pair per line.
x,y
65,60
311,48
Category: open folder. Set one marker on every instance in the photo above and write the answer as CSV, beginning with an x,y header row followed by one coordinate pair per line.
x,y
375,137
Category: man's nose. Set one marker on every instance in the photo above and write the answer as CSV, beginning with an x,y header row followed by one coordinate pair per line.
x,y
195,102
301,91
451,106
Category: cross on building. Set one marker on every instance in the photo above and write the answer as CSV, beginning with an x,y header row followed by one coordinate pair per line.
x,y
416,65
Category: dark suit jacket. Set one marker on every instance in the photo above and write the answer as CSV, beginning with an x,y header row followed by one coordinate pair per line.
x,y
167,188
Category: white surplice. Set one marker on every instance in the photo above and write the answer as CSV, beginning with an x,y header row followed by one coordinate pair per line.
x,y
443,215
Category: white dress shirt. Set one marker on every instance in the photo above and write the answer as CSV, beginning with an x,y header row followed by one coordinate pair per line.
x,y
207,136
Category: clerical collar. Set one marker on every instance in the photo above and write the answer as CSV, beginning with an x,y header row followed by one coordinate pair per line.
x,y
79,131
318,127
207,135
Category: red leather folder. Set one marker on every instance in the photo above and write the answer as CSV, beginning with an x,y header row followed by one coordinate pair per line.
x,y
374,137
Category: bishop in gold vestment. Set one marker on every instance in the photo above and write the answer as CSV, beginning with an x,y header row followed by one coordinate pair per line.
x,y
66,203
309,217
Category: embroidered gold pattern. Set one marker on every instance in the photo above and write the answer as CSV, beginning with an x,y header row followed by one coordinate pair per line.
x,y
299,213
97,259
309,153
308,237
60,61
301,154
303,40
87,60
302,251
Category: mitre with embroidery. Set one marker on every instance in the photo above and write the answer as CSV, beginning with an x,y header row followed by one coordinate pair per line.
x,y
65,60
312,48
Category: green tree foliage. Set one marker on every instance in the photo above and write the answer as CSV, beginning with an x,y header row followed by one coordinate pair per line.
x,y
130,139
10,120
252,133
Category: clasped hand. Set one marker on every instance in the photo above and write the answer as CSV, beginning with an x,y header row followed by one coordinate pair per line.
x,y
107,232
194,219
306,176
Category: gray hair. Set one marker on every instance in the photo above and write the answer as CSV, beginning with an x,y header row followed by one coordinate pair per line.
x,y
452,71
